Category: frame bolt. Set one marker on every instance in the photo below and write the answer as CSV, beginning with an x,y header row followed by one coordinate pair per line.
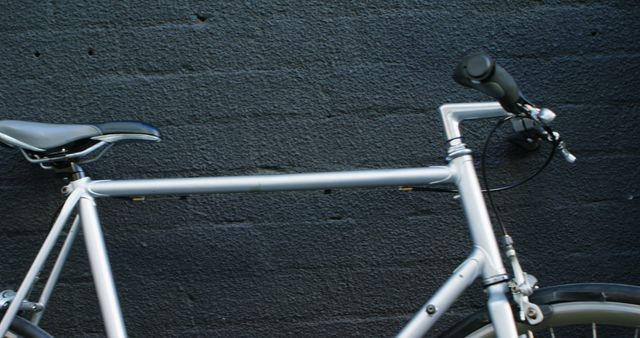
x,y
431,309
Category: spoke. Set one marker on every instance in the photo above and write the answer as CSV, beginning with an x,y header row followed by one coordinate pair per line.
x,y
594,330
553,335
637,331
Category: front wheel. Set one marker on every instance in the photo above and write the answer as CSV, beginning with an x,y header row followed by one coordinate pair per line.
x,y
21,327
574,310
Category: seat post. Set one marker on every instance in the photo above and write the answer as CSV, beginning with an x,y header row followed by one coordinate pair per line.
x,y
70,171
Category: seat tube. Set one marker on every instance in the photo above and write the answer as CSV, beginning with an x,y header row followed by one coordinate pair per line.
x,y
100,268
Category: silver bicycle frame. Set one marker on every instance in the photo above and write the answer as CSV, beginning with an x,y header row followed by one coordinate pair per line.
x,y
484,260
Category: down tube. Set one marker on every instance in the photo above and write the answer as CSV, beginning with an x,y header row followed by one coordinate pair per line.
x,y
282,182
435,307
493,272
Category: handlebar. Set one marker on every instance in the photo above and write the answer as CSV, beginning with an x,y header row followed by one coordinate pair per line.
x,y
480,72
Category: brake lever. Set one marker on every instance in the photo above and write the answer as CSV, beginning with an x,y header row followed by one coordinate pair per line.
x,y
545,116
562,146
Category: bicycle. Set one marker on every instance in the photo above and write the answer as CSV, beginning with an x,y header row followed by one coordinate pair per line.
x,y
63,148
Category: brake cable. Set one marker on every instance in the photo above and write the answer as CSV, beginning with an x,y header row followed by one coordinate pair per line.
x,y
553,139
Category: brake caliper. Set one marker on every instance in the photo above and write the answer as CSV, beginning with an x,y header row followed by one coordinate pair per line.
x,y
522,286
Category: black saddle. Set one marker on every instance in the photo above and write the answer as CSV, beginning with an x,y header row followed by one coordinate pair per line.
x,y
50,143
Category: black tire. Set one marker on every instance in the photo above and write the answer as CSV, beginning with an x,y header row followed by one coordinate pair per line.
x,y
574,310
24,328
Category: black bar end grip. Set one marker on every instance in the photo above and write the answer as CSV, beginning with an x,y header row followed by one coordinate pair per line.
x,y
482,73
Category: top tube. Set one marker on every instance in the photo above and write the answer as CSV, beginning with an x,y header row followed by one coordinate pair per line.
x,y
281,182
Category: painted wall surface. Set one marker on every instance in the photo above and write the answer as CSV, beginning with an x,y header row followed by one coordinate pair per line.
x,y
257,87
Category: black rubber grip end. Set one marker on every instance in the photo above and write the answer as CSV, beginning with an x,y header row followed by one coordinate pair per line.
x,y
479,67
480,72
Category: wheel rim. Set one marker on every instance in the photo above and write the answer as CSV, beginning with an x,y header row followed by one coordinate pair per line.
x,y
591,314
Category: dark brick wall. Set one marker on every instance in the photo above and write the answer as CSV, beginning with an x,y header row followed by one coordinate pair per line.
x,y
269,87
